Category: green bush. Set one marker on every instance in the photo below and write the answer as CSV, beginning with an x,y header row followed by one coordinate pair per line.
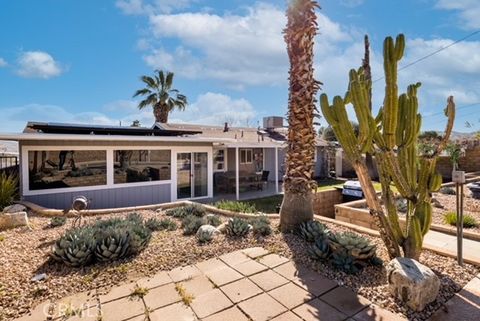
x,y
58,221
191,224
103,241
213,220
191,209
8,189
447,191
166,224
468,220
234,206
261,225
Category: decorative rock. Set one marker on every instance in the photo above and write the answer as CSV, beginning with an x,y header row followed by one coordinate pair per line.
x,y
222,227
412,282
206,233
14,208
436,203
12,220
39,277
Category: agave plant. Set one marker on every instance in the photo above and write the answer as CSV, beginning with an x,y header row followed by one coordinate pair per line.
x,y
320,249
112,244
345,262
75,248
313,230
237,227
353,244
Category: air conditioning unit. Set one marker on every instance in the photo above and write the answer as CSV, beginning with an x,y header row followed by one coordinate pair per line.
x,y
272,122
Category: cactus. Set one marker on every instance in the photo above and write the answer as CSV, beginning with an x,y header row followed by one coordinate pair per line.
x,y
313,230
237,227
392,138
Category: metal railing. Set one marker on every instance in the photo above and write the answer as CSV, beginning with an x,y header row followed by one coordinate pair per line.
x,y
7,161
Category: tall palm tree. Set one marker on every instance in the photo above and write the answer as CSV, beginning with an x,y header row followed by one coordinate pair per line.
x,y
159,94
298,180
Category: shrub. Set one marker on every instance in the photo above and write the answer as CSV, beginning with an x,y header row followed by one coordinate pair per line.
x,y
447,191
166,224
213,220
402,205
191,209
234,206
237,227
191,224
468,220
8,189
58,221
261,225
104,241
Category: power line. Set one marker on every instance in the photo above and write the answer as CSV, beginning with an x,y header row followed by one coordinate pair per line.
x,y
457,109
433,53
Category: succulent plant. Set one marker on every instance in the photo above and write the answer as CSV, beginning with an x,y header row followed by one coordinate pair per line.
x,y
313,230
213,220
353,244
190,209
154,224
345,262
75,248
191,224
112,244
58,221
237,227
261,225
320,249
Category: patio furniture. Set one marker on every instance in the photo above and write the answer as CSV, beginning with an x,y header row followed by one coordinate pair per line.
x,y
226,181
263,180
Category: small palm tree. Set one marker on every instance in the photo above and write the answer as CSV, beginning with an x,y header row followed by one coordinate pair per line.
x,y
159,94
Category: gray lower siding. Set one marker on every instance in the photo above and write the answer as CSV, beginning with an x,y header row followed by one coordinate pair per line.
x,y
107,198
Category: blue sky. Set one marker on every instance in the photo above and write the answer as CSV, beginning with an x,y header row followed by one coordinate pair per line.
x,y
79,61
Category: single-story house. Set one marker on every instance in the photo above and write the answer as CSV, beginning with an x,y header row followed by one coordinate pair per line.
x,y
115,166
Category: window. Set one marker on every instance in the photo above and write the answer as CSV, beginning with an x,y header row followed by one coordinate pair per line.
x,y
219,160
67,168
132,166
246,156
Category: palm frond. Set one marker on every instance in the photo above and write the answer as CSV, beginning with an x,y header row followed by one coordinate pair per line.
x,y
169,81
161,76
142,92
150,82
151,100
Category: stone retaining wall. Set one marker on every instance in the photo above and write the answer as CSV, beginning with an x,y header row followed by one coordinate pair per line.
x,y
355,213
324,202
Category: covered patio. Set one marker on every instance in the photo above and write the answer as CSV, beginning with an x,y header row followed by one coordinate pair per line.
x,y
247,170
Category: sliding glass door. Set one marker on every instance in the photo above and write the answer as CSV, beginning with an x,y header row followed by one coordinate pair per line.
x,y
192,175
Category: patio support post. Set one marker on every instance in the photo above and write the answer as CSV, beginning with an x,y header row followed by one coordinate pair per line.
x,y
237,169
276,170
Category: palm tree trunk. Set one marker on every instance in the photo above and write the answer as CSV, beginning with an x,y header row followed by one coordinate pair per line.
x,y
298,181
160,113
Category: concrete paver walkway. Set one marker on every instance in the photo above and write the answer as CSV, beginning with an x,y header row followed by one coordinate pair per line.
x,y
250,284
447,243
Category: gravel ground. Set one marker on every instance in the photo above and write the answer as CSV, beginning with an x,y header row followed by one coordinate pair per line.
x,y
471,207
24,253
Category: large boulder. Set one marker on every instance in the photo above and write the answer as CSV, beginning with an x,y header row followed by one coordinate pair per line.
x,y
206,233
412,282
12,220
16,208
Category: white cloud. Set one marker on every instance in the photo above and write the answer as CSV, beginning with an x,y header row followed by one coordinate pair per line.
x,y
240,50
468,11
351,3
38,64
215,109
142,7
3,62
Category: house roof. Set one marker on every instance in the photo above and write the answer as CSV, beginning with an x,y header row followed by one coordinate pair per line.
x,y
241,136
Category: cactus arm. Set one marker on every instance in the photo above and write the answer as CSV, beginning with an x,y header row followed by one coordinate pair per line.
x,y
450,113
